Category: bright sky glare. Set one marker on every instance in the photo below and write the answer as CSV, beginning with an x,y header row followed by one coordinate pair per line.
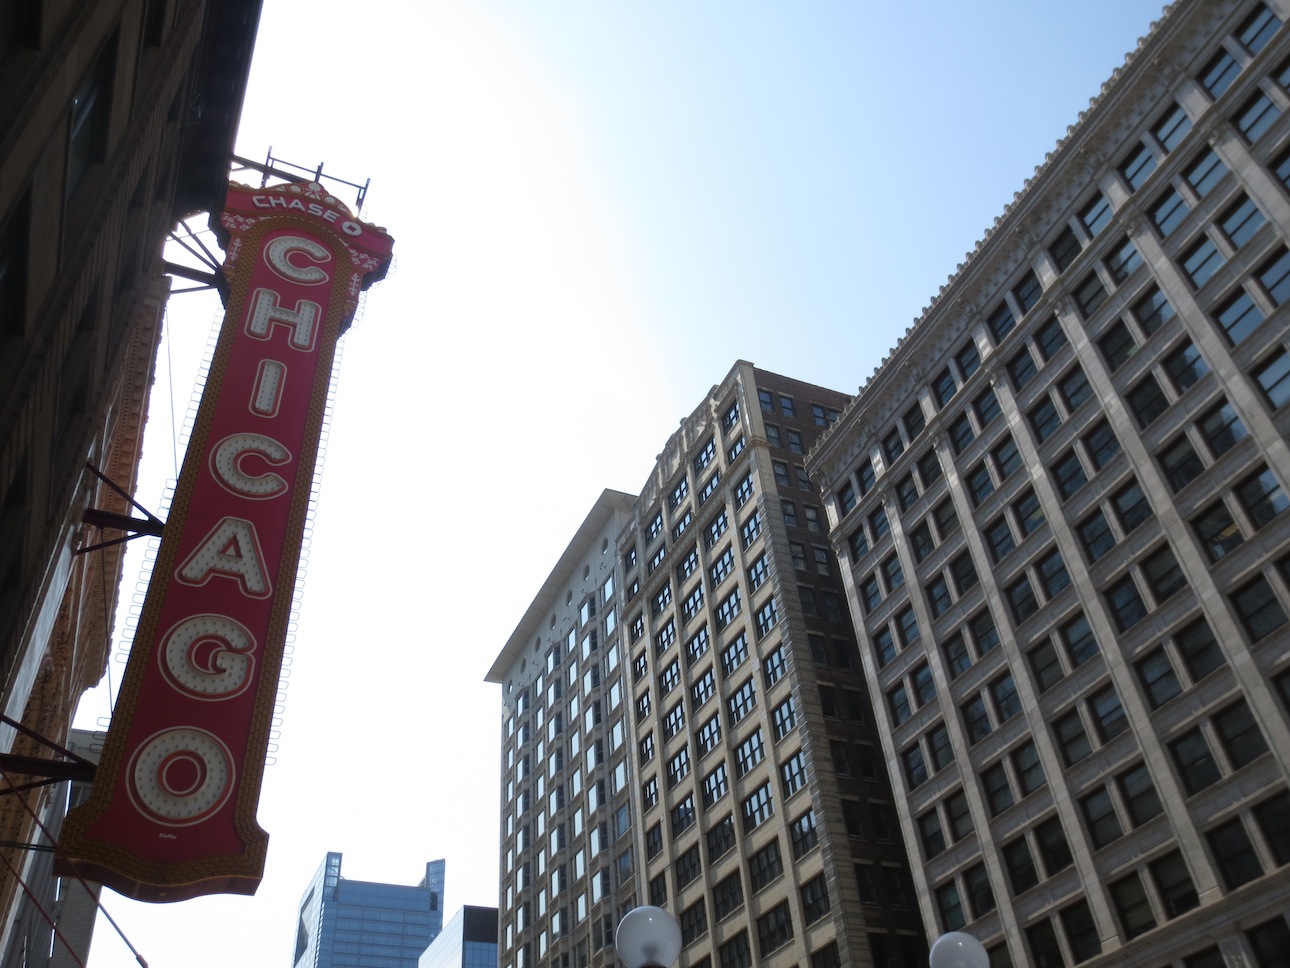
x,y
597,208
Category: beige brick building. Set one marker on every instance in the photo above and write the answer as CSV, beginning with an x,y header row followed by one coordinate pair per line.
x,y
686,722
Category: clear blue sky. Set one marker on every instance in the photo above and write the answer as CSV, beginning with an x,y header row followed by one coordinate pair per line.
x,y
597,208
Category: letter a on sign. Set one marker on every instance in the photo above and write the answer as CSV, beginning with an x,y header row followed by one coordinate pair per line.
x,y
172,811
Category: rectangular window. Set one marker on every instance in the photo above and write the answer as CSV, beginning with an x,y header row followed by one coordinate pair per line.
x,y
1068,474
1239,734
1218,75
1136,167
1262,496
1256,116
1090,294
1123,262
1241,220
1275,276
1027,290
1072,741
1096,214
1172,128
1022,368
1153,310
1169,212
757,808
1044,419
1049,338
1273,377
1173,884
1099,816
1233,853
1202,260
1196,766
1126,603
1140,798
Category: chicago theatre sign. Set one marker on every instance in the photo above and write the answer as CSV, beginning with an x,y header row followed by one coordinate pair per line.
x,y
172,811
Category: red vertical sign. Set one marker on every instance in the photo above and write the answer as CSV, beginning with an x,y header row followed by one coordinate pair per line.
x,y
172,811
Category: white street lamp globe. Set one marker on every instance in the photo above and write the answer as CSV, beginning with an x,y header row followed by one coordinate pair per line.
x,y
958,950
648,937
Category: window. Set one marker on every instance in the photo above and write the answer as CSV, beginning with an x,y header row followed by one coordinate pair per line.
x,y
757,808
1137,167
957,658
1275,276
1053,849
1071,739
1090,294
1096,214
1196,766
968,359
1152,311
906,492
1027,290
1021,599
1202,260
1006,701
1157,677
786,406
1022,368
976,720
1044,418
91,104
1001,322
683,816
783,719
1099,816
751,529
961,433
709,735
1117,345
744,490
1241,220
1132,906
1127,607
674,721
1205,172
1234,855
1173,884
815,899
947,521
1239,734
1074,388
1140,798
950,907
1108,715
980,484
743,701
749,753
1063,251
1045,665
1163,574
1030,515
1131,506
1068,474
907,625
1022,874
1258,608
715,785
944,387
998,537
1180,463
795,442
1273,818
1261,496
898,702
728,609
1255,117
723,566
1218,74
1172,128
1273,377
678,767
1185,366
938,595
1169,212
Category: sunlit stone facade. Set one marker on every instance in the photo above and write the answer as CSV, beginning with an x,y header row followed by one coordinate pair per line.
x,y
1061,510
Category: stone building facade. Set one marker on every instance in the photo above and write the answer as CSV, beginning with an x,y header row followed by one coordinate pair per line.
x,y
1060,508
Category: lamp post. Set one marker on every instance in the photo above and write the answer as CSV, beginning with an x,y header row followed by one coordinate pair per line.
x,y
648,937
955,949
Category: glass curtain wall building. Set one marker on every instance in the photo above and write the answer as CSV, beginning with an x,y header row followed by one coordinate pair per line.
x,y
685,718
1073,474
469,940
363,924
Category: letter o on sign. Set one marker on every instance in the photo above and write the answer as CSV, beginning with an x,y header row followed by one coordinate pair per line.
x,y
179,777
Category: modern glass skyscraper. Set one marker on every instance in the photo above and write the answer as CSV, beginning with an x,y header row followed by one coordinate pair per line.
x,y
1061,508
469,940
360,924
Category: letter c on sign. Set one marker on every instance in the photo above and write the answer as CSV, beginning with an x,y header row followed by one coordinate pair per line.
x,y
179,777
227,455
276,252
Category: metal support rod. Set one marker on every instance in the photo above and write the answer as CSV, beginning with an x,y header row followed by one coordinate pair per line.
x,y
211,279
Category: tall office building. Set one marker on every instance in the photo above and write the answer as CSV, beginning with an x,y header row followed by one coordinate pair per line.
x,y
686,722
469,940
1061,511
116,119
363,924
